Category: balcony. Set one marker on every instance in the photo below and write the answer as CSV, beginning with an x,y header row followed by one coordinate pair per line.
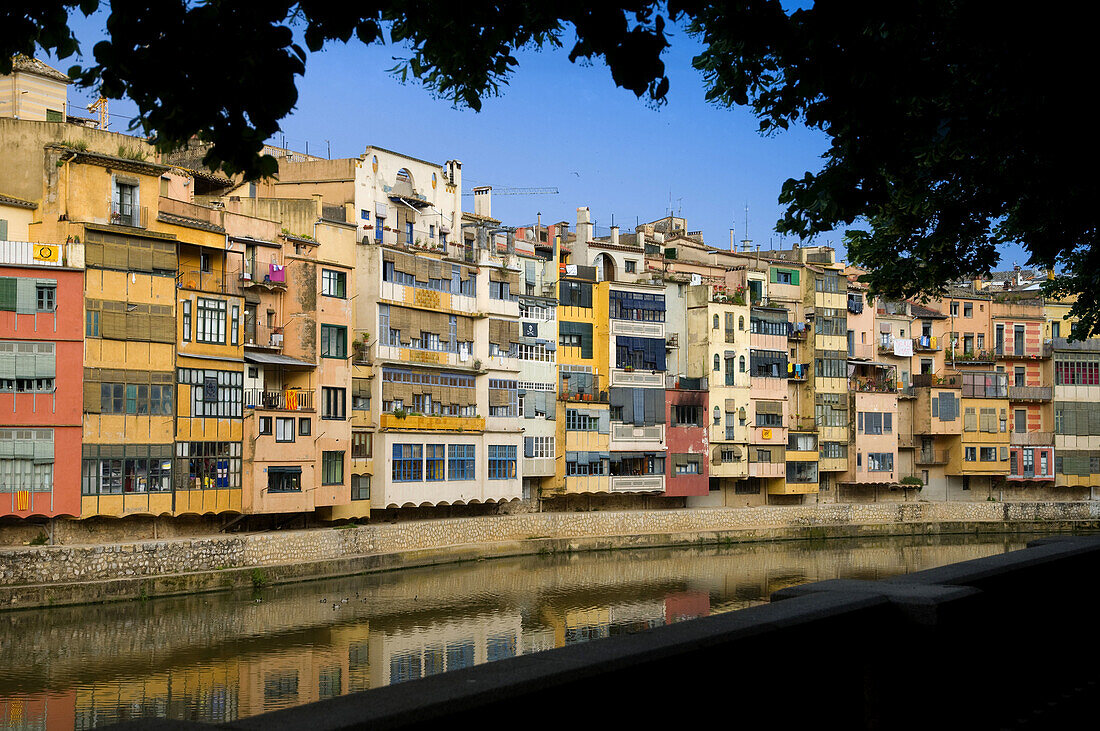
x,y
638,438
926,344
637,378
683,383
200,281
261,336
26,253
127,214
637,328
271,277
1030,393
1032,439
291,399
575,386
640,483
798,372
872,385
420,422
971,357
931,457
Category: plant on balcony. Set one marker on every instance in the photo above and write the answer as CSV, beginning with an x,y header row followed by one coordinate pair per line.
x,y
912,480
477,365
399,413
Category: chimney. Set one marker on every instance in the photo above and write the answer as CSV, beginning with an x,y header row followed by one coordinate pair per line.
x,y
584,235
483,201
615,235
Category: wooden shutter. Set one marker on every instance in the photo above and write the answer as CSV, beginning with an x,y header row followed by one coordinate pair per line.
x,y
92,396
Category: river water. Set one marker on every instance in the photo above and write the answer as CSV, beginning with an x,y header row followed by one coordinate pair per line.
x,y
218,657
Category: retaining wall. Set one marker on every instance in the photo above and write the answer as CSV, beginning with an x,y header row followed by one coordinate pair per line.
x,y
32,576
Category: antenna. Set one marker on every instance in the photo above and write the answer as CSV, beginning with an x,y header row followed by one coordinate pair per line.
x,y
747,242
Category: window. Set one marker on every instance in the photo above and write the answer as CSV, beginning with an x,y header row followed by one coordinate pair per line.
x,y
970,454
265,423
205,263
213,393
46,297
538,447
210,321
333,403
502,462
91,323
304,427
408,462
129,398
333,283
360,487
717,360
717,416
717,322
581,420
880,462
690,466
1019,376
630,266
434,455
687,416
186,321
284,479
1055,329
968,309
208,465
988,454
782,276
461,461
769,420
284,429
124,208
954,309
360,444
1020,421
332,468
334,341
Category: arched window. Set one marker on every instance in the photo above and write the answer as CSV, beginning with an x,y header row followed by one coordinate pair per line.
x,y
741,323
741,363
716,322
717,415
717,362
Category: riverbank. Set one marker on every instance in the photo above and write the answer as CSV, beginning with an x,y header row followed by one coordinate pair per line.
x,y
79,574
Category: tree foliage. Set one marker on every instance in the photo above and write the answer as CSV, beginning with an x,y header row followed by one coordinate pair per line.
x,y
955,127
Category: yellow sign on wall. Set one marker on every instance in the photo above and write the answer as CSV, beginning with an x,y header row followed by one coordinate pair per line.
x,y
766,433
47,252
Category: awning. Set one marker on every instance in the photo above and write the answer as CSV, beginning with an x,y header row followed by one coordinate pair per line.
x,y
414,203
276,359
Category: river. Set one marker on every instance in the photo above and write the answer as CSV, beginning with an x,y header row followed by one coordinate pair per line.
x,y
218,657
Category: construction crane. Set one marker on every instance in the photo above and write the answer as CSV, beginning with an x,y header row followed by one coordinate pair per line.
x,y
520,191
100,105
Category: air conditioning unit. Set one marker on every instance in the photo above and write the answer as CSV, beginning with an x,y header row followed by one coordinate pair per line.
x,y
276,340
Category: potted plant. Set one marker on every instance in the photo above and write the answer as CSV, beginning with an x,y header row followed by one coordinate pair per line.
x,y
400,413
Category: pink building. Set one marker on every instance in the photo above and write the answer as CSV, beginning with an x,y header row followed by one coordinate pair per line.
x,y
41,380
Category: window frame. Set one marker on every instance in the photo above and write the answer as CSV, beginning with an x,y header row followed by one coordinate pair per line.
x,y
334,283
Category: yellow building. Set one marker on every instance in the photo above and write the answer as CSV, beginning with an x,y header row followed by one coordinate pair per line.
x,y
584,416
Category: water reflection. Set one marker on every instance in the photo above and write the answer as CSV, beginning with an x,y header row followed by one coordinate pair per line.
x,y
219,657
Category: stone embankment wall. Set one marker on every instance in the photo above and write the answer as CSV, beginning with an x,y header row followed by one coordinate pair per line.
x,y
43,575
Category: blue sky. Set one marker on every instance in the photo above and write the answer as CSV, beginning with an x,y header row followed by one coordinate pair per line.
x,y
557,124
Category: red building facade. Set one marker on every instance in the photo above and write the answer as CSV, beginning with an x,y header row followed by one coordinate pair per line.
x,y
41,380
687,466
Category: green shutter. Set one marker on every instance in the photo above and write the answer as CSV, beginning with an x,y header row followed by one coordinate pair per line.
x,y
795,274
26,296
8,289
773,275
3,229
586,341
45,365
43,450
